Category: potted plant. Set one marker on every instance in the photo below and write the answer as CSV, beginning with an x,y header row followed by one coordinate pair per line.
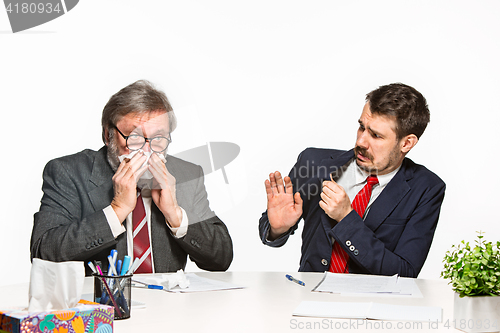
x,y
474,273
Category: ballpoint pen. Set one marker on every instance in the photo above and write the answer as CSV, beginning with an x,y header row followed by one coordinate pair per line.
x,y
125,265
291,278
118,267
92,267
112,266
150,286
133,267
110,294
114,254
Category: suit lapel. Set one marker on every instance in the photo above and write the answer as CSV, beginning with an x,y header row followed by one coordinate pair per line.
x,y
327,222
383,205
101,187
100,191
389,198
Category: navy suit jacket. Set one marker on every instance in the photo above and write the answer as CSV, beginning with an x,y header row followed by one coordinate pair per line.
x,y
396,234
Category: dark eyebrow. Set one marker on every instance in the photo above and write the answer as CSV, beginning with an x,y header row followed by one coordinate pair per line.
x,y
376,132
371,130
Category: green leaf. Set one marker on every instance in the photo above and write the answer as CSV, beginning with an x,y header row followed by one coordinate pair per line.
x,y
473,270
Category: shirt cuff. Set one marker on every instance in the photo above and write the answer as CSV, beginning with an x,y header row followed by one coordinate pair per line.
x,y
116,227
180,231
267,235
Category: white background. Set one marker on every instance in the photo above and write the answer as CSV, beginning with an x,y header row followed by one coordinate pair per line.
x,y
273,77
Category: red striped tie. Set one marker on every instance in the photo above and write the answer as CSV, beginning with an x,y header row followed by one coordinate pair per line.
x,y
142,246
338,260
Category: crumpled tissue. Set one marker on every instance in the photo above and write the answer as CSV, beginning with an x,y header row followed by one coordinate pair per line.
x,y
176,279
169,281
147,174
55,285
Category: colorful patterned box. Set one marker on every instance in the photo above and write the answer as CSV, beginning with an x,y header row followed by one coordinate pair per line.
x,y
86,317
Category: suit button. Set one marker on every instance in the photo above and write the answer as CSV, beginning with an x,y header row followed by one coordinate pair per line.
x,y
356,252
352,248
348,242
87,246
100,241
324,262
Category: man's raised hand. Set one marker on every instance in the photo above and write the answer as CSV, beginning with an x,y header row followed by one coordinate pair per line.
x,y
283,207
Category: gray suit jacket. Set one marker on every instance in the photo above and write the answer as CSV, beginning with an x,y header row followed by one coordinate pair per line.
x,y
71,224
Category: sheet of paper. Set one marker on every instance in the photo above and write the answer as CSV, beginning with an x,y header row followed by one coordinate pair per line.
x,y
354,283
332,310
196,283
366,285
368,310
405,312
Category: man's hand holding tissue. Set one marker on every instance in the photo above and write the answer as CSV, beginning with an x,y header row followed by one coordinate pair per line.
x,y
125,185
163,193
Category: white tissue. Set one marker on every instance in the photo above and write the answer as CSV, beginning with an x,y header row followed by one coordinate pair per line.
x,y
173,280
147,174
168,281
55,285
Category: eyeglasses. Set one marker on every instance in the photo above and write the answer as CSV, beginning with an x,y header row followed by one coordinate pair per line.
x,y
158,144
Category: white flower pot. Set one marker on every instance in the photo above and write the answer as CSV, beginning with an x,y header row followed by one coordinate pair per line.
x,y
477,313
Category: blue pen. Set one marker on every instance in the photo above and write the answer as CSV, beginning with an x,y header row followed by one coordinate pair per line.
x,y
150,286
125,265
92,267
112,268
114,254
118,267
109,272
291,278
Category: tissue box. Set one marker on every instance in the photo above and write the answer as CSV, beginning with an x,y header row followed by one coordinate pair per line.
x,y
86,317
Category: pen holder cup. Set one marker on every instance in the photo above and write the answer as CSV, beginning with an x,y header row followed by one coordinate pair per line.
x,y
114,291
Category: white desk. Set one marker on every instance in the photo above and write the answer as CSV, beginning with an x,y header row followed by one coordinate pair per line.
x,y
265,305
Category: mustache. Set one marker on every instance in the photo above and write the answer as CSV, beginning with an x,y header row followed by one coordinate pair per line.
x,y
362,151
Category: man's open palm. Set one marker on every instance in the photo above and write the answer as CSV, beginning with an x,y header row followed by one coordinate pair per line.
x,y
283,207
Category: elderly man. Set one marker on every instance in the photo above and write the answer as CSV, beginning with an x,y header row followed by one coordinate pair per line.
x,y
130,195
368,210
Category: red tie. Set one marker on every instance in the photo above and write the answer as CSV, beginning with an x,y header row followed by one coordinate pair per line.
x,y
142,247
338,260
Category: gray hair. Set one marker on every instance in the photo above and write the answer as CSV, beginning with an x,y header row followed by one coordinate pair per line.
x,y
139,97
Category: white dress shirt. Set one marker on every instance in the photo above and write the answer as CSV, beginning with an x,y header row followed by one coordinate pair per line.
x,y
353,179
